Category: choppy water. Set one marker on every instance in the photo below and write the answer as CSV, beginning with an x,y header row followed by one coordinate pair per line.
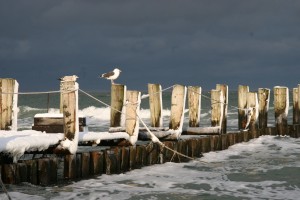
x,y
263,168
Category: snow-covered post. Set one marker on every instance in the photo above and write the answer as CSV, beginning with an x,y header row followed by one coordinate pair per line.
x,y
242,105
155,104
281,108
263,101
133,100
69,91
252,111
217,108
224,89
296,110
8,104
194,99
118,93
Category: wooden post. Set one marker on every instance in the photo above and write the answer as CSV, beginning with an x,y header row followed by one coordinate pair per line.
x,y
70,166
242,105
70,117
177,107
85,164
155,102
296,109
252,111
264,100
8,104
118,93
217,110
96,165
133,99
224,89
281,108
194,99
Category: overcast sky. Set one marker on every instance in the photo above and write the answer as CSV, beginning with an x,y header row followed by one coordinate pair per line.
x,y
255,43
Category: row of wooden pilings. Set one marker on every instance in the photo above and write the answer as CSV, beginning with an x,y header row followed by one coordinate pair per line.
x,y
253,113
120,159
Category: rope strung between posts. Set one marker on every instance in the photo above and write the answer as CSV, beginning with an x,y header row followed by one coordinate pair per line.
x,y
153,137
217,101
144,96
34,93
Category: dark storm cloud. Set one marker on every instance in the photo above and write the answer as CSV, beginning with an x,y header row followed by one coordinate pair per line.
x,y
171,41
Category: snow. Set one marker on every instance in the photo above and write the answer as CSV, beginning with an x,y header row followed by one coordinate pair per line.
x,y
16,143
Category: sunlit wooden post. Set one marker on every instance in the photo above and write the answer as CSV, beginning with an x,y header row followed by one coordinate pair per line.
x,y
224,89
118,93
8,104
242,105
217,107
296,110
155,102
69,98
252,109
194,101
177,107
133,100
281,108
264,101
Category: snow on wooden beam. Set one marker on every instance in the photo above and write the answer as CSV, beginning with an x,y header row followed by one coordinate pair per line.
x,y
281,107
202,130
194,102
8,104
69,90
263,101
155,103
118,93
242,105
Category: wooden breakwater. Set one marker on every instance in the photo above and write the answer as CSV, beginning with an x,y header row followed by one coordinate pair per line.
x,y
113,157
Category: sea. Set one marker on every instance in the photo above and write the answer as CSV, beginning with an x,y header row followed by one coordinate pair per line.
x,y
267,167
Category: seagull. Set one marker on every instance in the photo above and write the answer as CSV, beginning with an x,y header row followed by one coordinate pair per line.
x,y
68,78
113,75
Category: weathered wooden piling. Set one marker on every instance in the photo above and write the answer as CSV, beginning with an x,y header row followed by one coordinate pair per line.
x,y
281,107
224,89
242,105
252,111
217,108
8,103
70,166
118,96
177,107
133,99
155,102
97,162
69,98
296,107
194,101
264,101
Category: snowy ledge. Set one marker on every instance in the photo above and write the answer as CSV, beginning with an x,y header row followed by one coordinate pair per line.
x,y
16,143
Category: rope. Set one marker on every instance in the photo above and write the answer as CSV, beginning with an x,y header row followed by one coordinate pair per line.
x,y
4,188
153,137
144,96
34,93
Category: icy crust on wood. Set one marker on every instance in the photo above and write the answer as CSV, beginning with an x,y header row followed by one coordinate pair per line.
x,y
15,143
